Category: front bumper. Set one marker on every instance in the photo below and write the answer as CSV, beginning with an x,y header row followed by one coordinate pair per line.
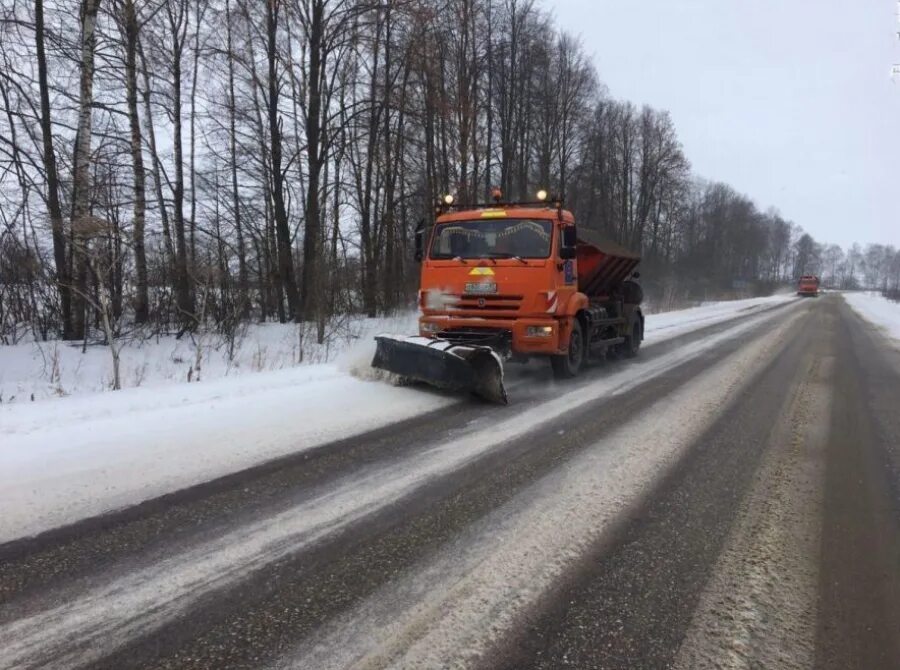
x,y
481,330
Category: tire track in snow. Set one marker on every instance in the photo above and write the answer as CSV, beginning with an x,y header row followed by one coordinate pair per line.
x,y
859,584
759,608
110,614
454,608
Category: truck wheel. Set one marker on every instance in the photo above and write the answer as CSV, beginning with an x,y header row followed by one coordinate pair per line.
x,y
632,342
568,365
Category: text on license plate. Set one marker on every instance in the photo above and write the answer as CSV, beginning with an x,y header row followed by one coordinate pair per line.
x,y
481,287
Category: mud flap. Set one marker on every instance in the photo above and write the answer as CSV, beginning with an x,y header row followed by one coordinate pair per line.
x,y
453,367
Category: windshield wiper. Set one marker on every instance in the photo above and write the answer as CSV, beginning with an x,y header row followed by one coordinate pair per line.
x,y
501,254
448,257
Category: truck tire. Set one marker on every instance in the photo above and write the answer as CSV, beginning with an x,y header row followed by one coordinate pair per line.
x,y
569,364
632,341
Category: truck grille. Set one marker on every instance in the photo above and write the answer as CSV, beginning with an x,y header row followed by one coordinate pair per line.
x,y
488,303
481,336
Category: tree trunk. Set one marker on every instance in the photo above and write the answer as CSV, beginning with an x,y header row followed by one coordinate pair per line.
x,y
142,299
53,205
489,101
311,291
184,285
282,228
155,169
198,18
81,181
235,194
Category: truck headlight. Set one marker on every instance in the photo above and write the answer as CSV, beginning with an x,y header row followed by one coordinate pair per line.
x,y
539,331
428,327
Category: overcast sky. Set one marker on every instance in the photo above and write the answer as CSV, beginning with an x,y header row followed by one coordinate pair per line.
x,y
789,101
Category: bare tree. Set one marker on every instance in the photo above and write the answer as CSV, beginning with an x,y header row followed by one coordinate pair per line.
x,y
178,20
130,27
52,176
282,227
81,179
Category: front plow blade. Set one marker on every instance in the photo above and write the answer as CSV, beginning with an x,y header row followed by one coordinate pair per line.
x,y
454,367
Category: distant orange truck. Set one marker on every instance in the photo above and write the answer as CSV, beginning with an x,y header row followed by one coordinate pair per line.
x,y
808,286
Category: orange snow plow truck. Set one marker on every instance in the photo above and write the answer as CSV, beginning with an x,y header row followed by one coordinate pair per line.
x,y
808,286
512,282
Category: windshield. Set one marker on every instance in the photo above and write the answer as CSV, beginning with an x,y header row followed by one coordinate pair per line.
x,y
506,238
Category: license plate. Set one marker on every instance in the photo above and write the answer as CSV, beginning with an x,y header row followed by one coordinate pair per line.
x,y
481,287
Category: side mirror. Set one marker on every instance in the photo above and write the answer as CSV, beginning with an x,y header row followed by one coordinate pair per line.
x,y
569,243
420,240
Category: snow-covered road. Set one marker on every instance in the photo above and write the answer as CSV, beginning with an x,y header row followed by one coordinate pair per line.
x,y
148,598
658,511
65,459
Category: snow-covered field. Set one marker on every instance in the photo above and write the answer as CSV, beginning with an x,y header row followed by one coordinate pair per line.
x,y
32,371
71,457
877,309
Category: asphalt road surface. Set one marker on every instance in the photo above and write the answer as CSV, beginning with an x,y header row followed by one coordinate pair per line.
x,y
728,499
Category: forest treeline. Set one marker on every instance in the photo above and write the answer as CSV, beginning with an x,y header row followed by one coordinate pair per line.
x,y
171,163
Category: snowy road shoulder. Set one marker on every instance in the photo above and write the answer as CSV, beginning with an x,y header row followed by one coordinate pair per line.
x,y
759,607
91,455
878,310
667,325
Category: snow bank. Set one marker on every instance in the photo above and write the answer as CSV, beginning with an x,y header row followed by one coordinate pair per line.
x,y
33,371
877,309
666,325
82,456
36,371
